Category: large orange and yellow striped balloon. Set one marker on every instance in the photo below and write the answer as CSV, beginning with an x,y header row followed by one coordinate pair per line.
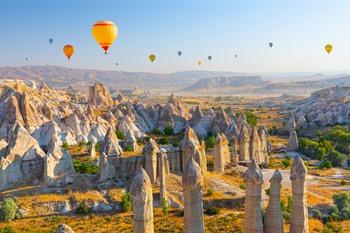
x,y
105,33
68,50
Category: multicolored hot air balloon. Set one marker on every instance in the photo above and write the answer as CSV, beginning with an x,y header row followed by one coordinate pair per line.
x,y
179,53
152,57
105,33
68,50
209,58
199,63
328,48
50,40
270,44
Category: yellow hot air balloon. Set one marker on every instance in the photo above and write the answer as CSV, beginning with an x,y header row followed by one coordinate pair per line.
x,y
68,50
105,33
152,57
199,63
328,48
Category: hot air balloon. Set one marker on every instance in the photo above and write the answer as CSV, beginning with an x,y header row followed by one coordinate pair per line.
x,y
152,57
26,59
116,63
68,50
270,44
179,53
105,33
209,58
236,55
328,48
199,63
50,40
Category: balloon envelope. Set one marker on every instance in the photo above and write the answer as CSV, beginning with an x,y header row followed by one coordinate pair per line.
x,y
105,33
50,40
152,57
270,44
179,53
199,63
328,48
210,57
68,50
236,55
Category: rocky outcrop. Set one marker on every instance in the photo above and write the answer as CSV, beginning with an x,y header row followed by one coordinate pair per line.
x,y
234,151
221,121
253,214
192,181
150,151
131,141
190,146
142,199
110,144
63,228
99,95
273,221
58,166
221,153
255,147
244,142
299,216
292,141
162,174
107,168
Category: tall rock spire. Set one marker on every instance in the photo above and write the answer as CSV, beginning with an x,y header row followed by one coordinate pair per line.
x,y
192,181
273,222
253,214
299,216
142,199
221,153
150,152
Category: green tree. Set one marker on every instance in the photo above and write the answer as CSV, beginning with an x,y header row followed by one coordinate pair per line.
x,y
120,134
126,202
336,158
165,206
210,141
9,210
252,119
168,130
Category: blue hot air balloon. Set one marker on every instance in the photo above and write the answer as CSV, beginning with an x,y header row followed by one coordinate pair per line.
x,y
179,53
209,58
50,40
270,44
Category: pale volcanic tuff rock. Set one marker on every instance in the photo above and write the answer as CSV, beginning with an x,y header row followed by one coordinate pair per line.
x,y
244,142
273,221
193,182
221,153
299,217
142,198
221,121
292,141
63,228
253,213
99,95
323,108
126,124
150,151
255,147
201,123
110,144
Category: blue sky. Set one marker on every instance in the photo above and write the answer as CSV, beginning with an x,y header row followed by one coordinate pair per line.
x,y
298,29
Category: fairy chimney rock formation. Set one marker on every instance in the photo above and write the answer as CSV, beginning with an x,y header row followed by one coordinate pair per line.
x,y
253,215
192,181
162,174
293,141
142,199
63,228
299,216
244,141
93,150
273,221
99,95
234,151
221,153
110,144
150,152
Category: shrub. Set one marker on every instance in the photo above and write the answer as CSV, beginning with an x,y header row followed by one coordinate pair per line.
x,y
126,202
176,143
210,192
325,164
128,148
242,186
336,158
163,141
316,213
120,134
85,167
97,146
252,119
83,208
286,162
6,230
65,146
9,210
210,141
267,191
343,182
341,200
157,131
212,210
168,130
332,228
165,206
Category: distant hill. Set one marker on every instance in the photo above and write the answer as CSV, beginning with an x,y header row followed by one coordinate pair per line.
x,y
220,82
64,77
